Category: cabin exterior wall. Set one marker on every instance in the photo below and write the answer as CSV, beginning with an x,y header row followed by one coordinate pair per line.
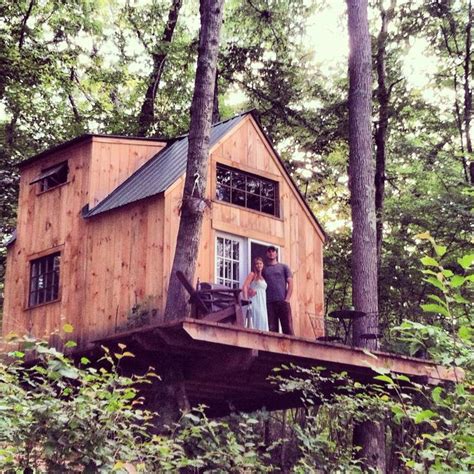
x,y
113,160
295,232
121,259
51,221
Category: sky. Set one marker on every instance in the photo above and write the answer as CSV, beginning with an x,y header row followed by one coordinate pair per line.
x,y
327,33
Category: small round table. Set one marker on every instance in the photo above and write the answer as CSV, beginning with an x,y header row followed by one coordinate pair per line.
x,y
346,319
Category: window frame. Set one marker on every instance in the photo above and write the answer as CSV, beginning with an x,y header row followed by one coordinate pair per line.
x,y
244,191
44,267
241,261
47,174
263,243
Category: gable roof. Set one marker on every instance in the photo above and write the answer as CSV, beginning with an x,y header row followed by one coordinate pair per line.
x,y
161,171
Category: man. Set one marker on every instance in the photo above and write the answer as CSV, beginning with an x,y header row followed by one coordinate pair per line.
x,y
279,289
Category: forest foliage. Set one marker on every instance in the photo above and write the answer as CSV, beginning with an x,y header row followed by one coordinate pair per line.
x,y
83,66
58,414
86,67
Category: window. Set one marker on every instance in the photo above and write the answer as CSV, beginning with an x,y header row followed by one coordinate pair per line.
x,y
229,260
53,176
247,190
44,279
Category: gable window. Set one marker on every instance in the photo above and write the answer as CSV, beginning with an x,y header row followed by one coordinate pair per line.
x,y
44,279
247,190
53,176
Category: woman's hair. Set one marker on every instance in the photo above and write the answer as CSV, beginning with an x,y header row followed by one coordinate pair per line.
x,y
255,260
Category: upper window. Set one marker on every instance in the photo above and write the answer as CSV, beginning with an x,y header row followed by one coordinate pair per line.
x,y
247,190
53,176
44,279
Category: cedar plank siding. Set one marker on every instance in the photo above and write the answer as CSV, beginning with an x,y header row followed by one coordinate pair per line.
x,y
52,221
295,231
120,258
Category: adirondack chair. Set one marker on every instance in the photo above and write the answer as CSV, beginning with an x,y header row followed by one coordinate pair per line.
x,y
213,302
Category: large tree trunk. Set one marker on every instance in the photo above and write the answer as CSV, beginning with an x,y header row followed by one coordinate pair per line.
x,y
463,57
147,112
369,435
193,203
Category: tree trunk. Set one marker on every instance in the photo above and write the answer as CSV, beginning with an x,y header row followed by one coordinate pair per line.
x,y
463,57
468,92
193,203
147,112
383,97
368,435
168,396
216,116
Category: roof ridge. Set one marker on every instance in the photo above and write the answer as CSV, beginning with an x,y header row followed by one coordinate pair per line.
x,y
163,169
240,114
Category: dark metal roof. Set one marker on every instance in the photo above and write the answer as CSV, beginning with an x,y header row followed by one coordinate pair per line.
x,y
160,172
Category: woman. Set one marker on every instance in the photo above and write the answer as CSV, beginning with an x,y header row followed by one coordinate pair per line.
x,y
255,287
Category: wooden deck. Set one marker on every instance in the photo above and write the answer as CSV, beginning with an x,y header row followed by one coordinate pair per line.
x,y
226,367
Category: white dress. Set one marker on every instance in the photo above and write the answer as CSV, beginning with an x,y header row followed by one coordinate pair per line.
x,y
259,305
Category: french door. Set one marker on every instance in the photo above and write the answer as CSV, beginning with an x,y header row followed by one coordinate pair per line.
x,y
231,260
234,257
258,248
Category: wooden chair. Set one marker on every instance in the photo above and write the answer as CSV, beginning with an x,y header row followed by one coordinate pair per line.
x,y
213,302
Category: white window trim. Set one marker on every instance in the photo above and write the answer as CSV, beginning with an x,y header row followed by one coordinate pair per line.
x,y
243,259
245,243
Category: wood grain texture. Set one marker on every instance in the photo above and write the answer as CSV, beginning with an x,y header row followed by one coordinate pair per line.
x,y
121,259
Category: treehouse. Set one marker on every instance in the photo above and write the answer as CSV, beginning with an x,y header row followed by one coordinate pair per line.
x,y
97,223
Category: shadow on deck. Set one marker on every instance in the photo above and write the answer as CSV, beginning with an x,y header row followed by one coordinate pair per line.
x,y
227,367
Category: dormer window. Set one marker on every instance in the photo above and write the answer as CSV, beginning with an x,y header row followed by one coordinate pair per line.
x,y
247,190
52,177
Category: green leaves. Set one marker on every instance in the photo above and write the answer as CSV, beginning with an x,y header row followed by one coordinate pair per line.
x,y
436,395
384,378
68,328
429,262
424,415
73,417
466,261
457,281
466,333
440,250
436,283
435,308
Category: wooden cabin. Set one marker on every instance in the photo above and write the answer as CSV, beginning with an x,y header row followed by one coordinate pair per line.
x,y
98,218
97,223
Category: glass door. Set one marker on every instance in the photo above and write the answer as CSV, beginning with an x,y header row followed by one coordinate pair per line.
x,y
231,260
259,249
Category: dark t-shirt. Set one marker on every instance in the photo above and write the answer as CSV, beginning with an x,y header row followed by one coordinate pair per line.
x,y
276,277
